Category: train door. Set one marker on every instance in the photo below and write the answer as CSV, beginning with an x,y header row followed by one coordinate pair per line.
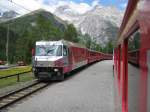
x,y
67,59
65,55
70,57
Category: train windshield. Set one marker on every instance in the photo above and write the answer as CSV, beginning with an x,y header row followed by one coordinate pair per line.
x,y
49,50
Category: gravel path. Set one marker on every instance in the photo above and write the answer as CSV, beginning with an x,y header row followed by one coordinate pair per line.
x,y
90,90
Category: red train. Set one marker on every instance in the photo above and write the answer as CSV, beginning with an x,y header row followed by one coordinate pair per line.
x,y
53,59
133,57
132,85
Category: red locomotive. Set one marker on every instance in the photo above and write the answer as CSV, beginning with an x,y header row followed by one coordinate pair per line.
x,y
53,59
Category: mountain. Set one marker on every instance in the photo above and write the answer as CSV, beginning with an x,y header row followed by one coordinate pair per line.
x,y
29,20
7,15
101,23
23,31
66,13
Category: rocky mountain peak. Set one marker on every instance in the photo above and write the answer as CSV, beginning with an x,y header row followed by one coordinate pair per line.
x,y
66,10
101,22
98,6
62,9
8,15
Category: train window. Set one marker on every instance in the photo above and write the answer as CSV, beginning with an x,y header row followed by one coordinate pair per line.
x,y
133,71
59,51
134,41
48,50
64,51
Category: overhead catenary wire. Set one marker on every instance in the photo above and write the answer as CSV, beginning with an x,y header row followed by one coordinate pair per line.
x,y
7,43
18,5
11,1
9,9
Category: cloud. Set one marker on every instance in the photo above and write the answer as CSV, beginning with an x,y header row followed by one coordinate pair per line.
x,y
20,6
49,5
95,2
123,5
79,8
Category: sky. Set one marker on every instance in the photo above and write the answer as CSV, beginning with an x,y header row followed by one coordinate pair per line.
x,y
81,6
120,4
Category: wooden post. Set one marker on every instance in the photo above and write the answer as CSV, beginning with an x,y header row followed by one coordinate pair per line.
x,y
18,78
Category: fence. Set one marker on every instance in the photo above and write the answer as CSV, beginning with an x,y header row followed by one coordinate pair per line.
x,y
17,75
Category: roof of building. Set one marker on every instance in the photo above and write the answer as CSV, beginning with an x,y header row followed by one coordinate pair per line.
x,y
60,42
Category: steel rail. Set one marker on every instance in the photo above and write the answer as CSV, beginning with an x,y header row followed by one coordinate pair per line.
x,y
17,95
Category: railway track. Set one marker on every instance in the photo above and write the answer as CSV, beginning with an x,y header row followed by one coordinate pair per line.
x,y
15,96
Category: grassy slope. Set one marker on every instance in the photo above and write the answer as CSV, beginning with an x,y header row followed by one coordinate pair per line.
x,y
13,80
15,70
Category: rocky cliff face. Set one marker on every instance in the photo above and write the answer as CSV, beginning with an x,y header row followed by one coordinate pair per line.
x,y
101,23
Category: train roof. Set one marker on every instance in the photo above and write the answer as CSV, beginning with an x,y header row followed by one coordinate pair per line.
x,y
49,43
60,42
129,23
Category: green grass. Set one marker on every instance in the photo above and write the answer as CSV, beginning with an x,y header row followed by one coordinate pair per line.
x,y
13,80
15,70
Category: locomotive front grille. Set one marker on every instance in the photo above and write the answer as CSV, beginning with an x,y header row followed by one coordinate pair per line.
x,y
45,72
44,69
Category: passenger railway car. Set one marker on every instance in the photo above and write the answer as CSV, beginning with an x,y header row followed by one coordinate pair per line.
x,y
53,59
133,57
132,85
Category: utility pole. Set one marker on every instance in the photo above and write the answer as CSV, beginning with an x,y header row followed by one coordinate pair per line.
x,y
7,45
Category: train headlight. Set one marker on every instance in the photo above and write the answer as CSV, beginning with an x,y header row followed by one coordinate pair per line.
x,y
56,70
33,69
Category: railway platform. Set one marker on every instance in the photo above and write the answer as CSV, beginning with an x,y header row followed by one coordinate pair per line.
x,y
90,90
